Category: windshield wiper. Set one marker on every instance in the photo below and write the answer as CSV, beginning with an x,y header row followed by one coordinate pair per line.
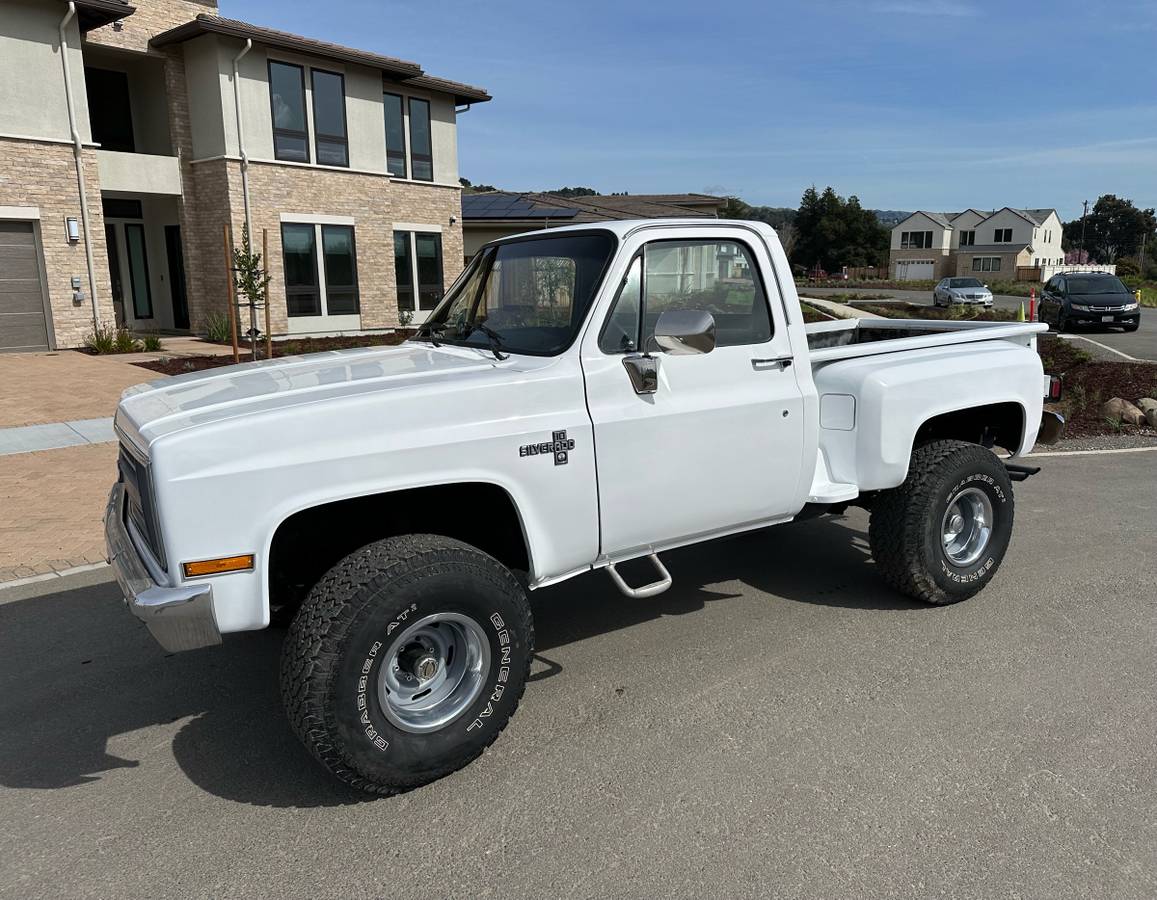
x,y
493,338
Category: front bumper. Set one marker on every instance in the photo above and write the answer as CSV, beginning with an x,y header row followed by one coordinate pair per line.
x,y
180,618
1117,319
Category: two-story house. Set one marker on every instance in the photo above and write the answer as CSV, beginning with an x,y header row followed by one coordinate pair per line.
x,y
930,245
130,136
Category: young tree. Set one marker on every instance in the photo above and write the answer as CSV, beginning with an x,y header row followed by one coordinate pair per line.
x,y
249,282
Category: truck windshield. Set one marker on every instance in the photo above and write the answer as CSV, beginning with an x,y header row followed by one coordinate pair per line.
x,y
526,296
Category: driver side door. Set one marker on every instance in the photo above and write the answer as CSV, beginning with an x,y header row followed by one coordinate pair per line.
x,y
718,445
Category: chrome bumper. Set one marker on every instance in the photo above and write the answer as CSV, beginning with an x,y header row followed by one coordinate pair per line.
x,y
180,618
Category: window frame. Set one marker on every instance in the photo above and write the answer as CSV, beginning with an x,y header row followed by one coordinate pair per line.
x,y
968,237
304,135
402,106
998,235
415,283
300,289
318,136
410,101
145,265
324,274
641,253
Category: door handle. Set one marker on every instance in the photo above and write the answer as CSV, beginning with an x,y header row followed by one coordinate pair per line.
x,y
775,362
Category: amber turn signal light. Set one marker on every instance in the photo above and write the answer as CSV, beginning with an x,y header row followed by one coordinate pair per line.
x,y
218,566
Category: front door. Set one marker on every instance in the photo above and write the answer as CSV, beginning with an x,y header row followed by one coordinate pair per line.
x,y
719,445
177,276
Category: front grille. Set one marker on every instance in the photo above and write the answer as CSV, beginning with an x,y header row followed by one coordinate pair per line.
x,y
140,510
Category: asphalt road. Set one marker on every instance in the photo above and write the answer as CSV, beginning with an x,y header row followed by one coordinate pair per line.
x,y
1139,344
779,723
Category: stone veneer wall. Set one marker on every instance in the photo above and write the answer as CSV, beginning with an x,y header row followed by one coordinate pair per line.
x,y
151,18
33,173
374,202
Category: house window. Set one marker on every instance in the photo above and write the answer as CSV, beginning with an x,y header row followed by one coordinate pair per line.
x,y
986,264
915,240
109,109
1002,236
287,101
395,135
967,238
421,148
139,271
329,121
308,294
418,262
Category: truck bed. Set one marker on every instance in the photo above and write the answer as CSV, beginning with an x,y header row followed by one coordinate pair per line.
x,y
848,338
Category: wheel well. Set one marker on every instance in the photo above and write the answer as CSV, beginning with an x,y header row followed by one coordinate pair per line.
x,y
996,424
310,542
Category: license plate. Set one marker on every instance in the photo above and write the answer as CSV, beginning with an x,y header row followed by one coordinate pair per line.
x,y
1108,318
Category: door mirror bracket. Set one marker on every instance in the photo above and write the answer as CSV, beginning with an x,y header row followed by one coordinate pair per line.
x,y
644,372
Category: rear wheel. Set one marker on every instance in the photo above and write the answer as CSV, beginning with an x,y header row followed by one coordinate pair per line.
x,y
406,661
941,535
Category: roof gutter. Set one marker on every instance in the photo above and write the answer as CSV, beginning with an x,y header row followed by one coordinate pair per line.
x,y
77,149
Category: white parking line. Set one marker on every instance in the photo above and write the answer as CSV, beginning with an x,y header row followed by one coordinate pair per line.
x,y
1080,337
1089,452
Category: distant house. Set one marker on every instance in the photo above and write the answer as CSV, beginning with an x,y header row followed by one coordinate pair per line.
x,y
495,214
932,245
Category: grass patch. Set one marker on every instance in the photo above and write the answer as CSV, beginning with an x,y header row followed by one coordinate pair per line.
x,y
811,314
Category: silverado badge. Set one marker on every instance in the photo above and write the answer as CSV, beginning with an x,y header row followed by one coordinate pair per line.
x,y
560,445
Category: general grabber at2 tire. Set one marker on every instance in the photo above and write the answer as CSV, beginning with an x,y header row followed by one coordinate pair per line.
x,y
406,661
941,535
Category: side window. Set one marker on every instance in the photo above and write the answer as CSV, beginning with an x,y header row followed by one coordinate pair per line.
x,y
718,277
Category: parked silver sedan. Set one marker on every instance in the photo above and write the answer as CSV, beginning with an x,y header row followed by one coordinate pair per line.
x,y
951,291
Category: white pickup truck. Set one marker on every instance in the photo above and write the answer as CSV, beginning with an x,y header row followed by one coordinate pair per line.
x,y
580,397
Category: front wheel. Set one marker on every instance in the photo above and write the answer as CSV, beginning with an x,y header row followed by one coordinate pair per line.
x,y
942,534
406,661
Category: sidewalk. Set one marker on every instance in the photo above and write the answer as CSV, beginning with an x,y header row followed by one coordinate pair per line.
x,y
52,500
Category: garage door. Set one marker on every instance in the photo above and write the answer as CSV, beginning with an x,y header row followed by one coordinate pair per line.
x,y
914,270
22,323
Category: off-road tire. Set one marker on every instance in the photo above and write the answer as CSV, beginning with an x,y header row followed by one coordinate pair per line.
x,y
329,664
905,527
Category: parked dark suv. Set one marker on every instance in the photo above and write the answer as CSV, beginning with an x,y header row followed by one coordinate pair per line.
x,y
1089,298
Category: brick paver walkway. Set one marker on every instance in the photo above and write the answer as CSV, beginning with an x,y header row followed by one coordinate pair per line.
x,y
39,388
51,504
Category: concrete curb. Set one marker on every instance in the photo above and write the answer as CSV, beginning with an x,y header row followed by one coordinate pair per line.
x,y
839,310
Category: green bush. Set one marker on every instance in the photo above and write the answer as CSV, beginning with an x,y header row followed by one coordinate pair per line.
x,y
151,342
217,328
107,339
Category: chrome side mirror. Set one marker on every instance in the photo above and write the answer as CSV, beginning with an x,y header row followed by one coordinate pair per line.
x,y
685,332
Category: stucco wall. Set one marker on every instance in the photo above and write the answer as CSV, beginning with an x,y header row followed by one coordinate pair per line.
x,y
32,75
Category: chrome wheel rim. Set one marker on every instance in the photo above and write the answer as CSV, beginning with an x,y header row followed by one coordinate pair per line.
x,y
966,527
433,671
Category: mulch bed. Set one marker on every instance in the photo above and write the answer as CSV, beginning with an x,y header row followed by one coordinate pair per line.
x,y
179,365
1088,383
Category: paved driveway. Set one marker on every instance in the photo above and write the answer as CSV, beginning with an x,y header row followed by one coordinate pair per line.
x,y
779,723
1139,344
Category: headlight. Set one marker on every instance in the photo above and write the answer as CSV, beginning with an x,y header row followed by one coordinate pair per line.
x,y
1080,308
1129,307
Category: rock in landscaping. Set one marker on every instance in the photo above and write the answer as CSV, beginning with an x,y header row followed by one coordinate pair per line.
x,y
1148,406
1122,411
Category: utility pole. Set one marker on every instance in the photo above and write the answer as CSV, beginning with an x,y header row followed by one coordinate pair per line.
x,y
1144,234
1084,253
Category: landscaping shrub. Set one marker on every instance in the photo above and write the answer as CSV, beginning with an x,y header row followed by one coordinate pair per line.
x,y
217,328
151,342
107,339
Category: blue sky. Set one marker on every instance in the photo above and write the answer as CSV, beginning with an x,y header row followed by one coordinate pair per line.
x,y
934,104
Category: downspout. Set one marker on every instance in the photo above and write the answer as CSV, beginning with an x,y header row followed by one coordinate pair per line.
x,y
77,147
241,134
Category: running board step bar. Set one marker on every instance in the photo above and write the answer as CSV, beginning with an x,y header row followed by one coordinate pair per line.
x,y
647,590
1020,473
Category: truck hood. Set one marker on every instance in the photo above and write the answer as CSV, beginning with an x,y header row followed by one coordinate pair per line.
x,y
150,411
